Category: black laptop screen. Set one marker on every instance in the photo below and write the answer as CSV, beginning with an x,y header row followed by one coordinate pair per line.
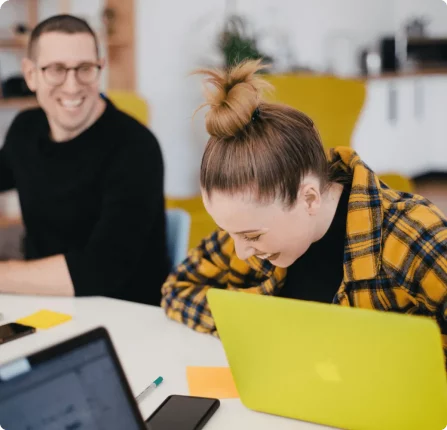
x,y
81,389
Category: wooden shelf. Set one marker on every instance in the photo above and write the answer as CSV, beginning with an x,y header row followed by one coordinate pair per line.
x,y
409,73
426,40
112,44
121,46
18,103
7,222
12,44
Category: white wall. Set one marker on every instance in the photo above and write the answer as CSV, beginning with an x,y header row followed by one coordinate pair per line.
x,y
173,38
434,10
89,10
314,28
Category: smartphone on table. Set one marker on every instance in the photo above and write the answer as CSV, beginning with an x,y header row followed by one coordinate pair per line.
x,y
182,413
12,331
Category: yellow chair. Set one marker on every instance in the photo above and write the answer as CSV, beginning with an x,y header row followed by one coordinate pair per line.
x,y
398,182
334,104
201,222
132,104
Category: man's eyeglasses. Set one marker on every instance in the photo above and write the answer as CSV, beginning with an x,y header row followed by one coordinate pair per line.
x,y
85,73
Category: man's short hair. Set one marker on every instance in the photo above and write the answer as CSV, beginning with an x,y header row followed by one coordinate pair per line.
x,y
67,24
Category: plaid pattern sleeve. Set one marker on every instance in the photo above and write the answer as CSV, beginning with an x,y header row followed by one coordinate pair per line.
x,y
184,292
214,264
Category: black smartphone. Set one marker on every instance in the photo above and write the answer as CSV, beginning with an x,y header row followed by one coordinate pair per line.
x,y
13,331
183,413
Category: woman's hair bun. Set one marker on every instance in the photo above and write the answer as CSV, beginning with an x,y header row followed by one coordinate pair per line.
x,y
234,96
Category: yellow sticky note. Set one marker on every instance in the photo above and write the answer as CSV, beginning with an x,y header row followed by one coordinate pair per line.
x,y
211,382
44,319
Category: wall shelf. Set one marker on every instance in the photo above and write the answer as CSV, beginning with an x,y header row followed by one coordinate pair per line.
x,y
120,47
18,103
14,44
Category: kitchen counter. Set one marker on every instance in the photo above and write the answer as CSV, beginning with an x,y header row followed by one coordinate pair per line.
x,y
408,73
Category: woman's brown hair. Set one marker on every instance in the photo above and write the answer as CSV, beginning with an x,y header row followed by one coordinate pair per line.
x,y
265,148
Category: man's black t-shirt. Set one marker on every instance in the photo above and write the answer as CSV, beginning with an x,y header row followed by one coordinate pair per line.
x,y
97,199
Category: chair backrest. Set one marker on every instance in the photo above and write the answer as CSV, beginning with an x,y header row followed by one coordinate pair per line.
x,y
333,103
398,182
132,104
178,227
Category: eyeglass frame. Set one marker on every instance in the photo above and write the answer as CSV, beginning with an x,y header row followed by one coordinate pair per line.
x,y
75,69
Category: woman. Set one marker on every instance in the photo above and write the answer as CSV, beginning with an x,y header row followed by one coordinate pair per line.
x,y
298,223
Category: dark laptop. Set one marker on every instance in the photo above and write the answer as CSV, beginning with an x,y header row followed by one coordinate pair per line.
x,y
77,384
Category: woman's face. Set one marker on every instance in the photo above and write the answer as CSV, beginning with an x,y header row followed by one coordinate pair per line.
x,y
269,231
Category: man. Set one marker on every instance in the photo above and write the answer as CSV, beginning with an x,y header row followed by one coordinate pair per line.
x,y
89,179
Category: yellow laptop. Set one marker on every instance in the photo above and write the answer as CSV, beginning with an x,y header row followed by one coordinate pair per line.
x,y
342,367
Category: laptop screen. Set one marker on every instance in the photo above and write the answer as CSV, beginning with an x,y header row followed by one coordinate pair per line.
x,y
79,389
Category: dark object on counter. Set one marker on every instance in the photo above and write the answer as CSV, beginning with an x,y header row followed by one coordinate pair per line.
x,y
370,62
109,20
388,54
387,61
416,27
15,86
363,67
437,176
428,52
21,29
424,53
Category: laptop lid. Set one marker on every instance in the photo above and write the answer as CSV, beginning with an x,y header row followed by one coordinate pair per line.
x,y
332,365
77,384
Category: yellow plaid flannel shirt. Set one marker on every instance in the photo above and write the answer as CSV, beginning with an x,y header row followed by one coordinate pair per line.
x,y
395,258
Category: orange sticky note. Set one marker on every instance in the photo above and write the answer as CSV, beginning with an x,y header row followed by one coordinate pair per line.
x,y
211,382
44,319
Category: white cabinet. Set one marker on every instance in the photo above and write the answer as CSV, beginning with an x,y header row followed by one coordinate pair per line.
x,y
376,126
436,120
403,125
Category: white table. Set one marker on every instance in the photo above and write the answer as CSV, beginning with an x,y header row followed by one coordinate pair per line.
x,y
148,345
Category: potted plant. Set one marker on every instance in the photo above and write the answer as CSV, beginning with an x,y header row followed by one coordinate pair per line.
x,y
237,45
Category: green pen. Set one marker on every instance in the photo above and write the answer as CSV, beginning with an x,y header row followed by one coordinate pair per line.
x,y
149,389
